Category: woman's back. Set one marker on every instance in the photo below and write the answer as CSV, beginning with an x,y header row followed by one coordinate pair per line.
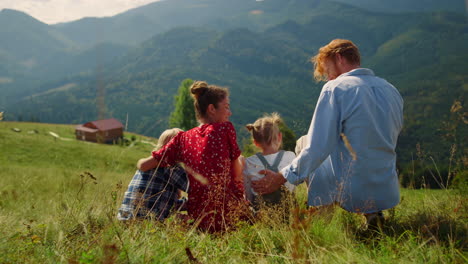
x,y
207,153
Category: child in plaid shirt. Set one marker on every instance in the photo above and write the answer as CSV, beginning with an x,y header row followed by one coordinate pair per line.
x,y
153,193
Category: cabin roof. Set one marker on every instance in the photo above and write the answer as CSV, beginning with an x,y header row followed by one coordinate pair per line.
x,y
104,124
86,129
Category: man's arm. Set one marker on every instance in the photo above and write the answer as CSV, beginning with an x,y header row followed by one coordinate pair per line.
x,y
322,139
270,183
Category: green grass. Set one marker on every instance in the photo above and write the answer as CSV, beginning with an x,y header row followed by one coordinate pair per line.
x,y
58,201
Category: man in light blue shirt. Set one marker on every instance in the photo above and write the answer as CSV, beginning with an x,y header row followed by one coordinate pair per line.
x,y
349,157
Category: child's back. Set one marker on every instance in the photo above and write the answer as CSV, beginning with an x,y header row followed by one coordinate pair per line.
x,y
267,136
258,162
155,192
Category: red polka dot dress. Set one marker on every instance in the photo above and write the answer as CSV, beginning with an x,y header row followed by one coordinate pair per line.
x,y
215,201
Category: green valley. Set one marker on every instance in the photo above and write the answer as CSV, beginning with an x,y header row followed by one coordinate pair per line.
x,y
263,58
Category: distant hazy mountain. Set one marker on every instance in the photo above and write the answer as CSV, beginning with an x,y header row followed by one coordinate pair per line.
x,y
259,49
141,23
406,6
26,44
33,53
29,41
424,55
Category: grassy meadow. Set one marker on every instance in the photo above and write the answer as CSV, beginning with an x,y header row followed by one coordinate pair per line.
x,y
59,198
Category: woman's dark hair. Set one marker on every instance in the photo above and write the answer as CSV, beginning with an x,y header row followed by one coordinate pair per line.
x,y
204,95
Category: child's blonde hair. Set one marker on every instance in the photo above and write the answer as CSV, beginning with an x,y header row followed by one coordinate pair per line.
x,y
166,136
265,131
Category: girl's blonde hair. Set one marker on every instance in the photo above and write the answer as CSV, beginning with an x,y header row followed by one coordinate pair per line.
x,y
265,131
166,136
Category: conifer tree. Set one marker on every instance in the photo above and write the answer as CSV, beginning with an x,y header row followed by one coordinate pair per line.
x,y
183,115
289,137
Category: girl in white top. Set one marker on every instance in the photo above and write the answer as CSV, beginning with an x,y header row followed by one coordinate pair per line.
x,y
266,136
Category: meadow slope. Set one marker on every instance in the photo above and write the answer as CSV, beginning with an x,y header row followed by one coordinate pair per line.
x,y
59,197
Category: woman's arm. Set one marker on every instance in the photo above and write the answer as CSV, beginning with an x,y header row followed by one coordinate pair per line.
x,y
147,164
237,167
166,156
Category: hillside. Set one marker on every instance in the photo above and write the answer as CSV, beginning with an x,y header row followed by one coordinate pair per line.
x,y
59,199
32,147
136,25
423,54
269,71
405,6
139,24
33,53
26,44
22,31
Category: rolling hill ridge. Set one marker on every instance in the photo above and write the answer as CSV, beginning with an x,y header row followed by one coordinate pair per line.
x,y
266,67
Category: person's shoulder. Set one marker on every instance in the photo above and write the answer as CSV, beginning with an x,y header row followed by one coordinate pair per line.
x,y
343,85
251,158
251,163
181,134
335,86
189,132
289,155
224,127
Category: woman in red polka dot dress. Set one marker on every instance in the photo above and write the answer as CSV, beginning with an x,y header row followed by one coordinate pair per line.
x,y
210,155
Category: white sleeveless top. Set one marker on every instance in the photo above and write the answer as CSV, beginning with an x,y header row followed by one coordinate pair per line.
x,y
253,165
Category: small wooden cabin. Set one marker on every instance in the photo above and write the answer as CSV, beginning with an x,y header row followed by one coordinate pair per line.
x,y
100,131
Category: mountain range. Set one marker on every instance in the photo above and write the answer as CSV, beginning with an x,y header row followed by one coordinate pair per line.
x,y
130,65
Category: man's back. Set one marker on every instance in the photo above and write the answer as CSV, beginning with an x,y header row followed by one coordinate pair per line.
x,y
350,154
370,119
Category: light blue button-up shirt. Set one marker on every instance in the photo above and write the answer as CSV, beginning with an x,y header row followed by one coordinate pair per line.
x,y
366,111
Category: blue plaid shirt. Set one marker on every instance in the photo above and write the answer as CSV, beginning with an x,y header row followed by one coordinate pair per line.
x,y
153,193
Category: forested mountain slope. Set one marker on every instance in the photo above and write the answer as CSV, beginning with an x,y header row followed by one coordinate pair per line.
x,y
141,23
32,54
406,6
424,55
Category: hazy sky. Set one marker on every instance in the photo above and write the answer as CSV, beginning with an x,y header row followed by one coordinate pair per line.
x,y
55,11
